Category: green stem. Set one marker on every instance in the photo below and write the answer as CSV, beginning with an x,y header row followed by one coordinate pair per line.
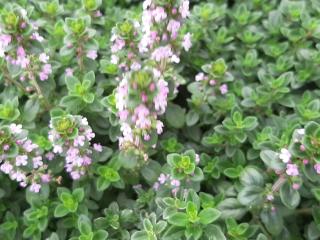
x,y
13,81
39,92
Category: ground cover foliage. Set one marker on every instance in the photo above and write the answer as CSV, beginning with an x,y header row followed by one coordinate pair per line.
x,y
159,119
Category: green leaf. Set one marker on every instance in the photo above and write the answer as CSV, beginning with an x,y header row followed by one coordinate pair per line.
x,y
175,116
84,225
271,159
251,176
209,215
100,235
214,232
273,221
140,235
250,123
316,193
88,98
192,118
102,184
60,211
178,219
231,207
289,196
71,82
78,194
251,195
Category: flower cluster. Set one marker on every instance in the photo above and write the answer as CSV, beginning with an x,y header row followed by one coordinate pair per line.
x,y
143,90
169,181
25,64
70,137
207,83
21,159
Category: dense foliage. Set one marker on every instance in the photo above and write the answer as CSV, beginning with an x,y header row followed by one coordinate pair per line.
x,y
159,119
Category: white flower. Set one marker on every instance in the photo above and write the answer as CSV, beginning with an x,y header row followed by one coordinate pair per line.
x,y
285,155
43,58
15,129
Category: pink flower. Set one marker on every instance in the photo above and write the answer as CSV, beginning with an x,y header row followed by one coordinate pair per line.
x,y
37,162
199,77
114,59
146,4
317,167
156,186
97,13
141,115
146,137
57,149
175,182
89,134
295,186
18,176
162,178
118,45
292,170
223,89
5,39
21,160
270,197
135,66
123,115
36,36
46,178
173,27
29,146
69,72
184,9
159,14
159,127
92,54
97,147
6,167
35,187
212,82
161,53
21,52
75,175
175,59
6,147
160,100
79,141
186,44
46,71
49,156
